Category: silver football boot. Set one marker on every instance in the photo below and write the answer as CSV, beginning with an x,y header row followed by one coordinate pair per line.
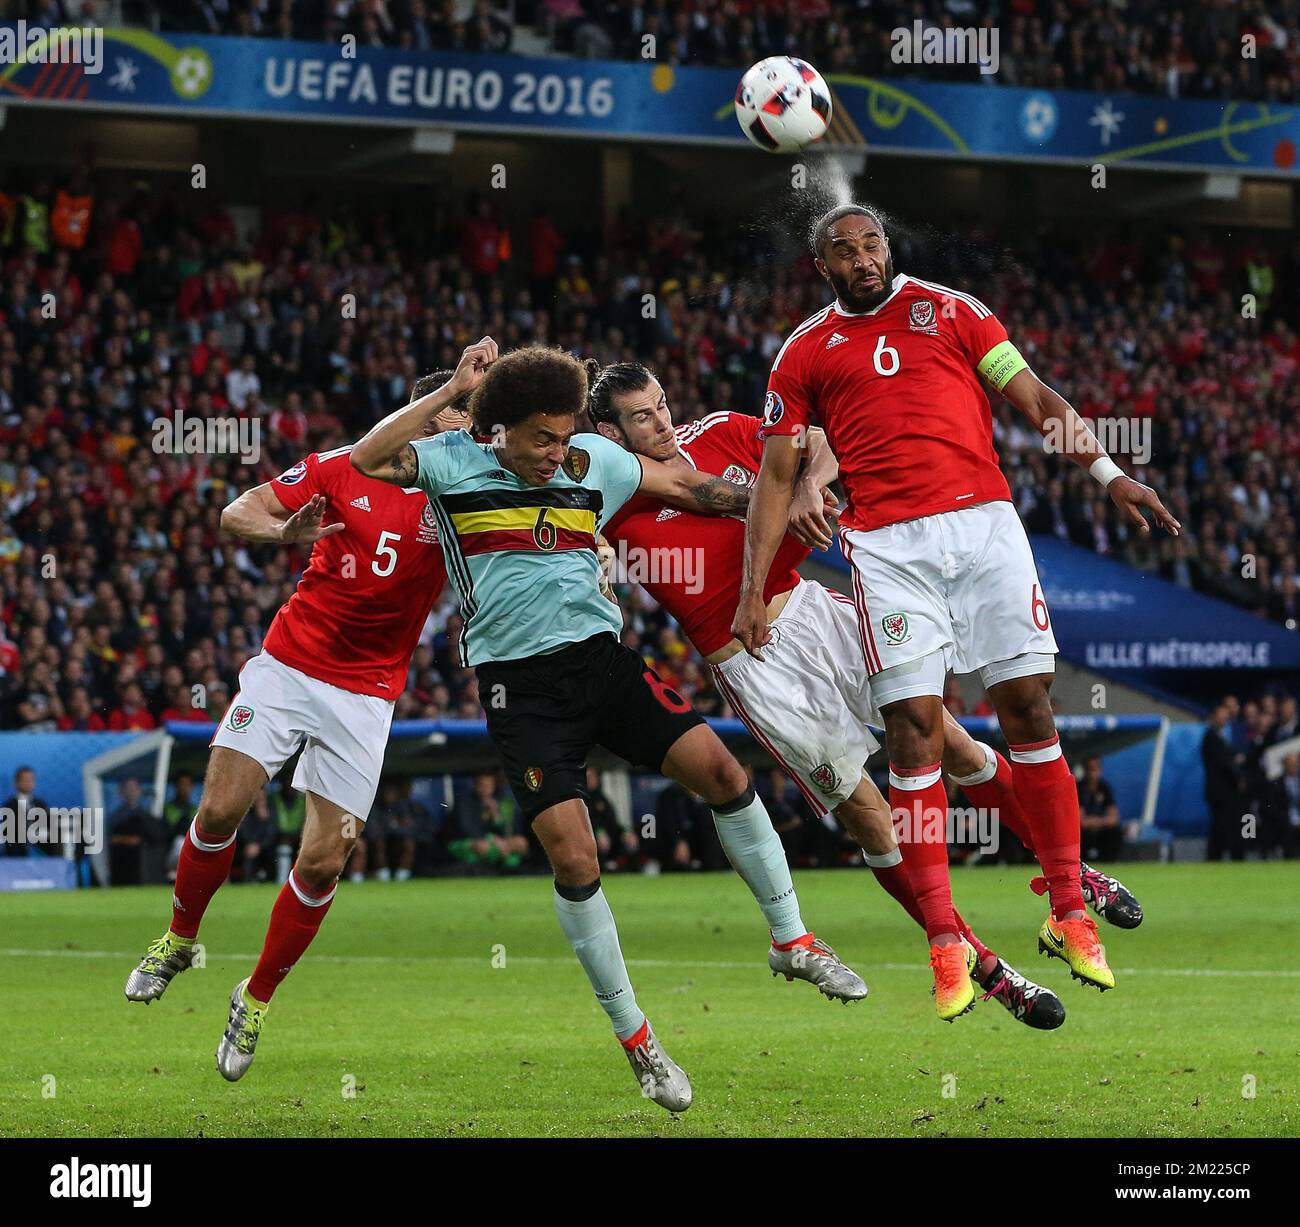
x,y
820,965
163,960
661,1078
239,1044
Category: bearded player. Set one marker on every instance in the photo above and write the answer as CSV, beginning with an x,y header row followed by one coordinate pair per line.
x,y
808,703
943,574
332,666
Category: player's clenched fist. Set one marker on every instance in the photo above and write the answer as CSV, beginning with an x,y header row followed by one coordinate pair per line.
x,y
750,625
812,516
473,362
306,523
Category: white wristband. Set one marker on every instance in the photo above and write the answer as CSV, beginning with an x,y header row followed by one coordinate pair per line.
x,y
1105,470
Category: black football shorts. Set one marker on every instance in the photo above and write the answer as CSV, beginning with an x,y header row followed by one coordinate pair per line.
x,y
545,713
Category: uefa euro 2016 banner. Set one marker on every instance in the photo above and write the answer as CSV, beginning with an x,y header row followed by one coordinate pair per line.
x,y
262,78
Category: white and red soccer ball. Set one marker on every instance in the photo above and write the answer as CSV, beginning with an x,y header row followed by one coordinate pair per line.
x,y
782,104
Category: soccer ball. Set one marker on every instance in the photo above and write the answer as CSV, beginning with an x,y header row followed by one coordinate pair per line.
x,y
782,104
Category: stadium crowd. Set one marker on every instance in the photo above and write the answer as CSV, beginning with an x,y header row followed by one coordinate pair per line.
x,y
122,606
1254,805
1142,46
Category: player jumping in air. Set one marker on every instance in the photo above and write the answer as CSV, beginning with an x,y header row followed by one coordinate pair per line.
x,y
518,519
332,666
808,702
943,575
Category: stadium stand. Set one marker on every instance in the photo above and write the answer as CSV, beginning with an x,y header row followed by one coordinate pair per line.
x,y
1140,46
165,313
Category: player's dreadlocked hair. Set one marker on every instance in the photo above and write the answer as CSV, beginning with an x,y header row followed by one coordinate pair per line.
x,y
432,382
821,227
605,383
527,381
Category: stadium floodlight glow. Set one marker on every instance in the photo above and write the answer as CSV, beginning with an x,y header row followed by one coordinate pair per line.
x,y
1222,187
437,141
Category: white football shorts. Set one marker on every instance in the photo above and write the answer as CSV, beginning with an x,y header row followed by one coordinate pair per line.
x,y
961,583
342,735
808,704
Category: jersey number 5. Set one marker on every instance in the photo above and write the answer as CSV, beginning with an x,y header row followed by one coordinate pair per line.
x,y
387,553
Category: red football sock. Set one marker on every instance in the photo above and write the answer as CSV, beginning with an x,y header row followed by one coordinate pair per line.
x,y
893,877
918,802
295,919
204,863
1046,790
982,952
997,794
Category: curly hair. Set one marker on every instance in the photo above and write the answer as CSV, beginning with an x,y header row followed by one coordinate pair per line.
x,y
535,379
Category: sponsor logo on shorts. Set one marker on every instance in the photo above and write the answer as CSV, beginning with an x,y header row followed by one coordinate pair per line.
x,y
773,409
895,627
737,475
921,315
291,477
576,463
240,718
533,778
825,777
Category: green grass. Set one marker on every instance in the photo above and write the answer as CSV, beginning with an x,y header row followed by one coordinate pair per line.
x,y
400,994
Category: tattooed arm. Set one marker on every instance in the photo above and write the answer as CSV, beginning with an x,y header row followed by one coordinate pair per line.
x,y
692,490
386,453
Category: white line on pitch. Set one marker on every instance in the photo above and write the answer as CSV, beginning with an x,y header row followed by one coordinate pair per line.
x,y
670,963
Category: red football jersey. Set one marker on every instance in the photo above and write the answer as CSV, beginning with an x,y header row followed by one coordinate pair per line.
x,y
896,391
698,579
355,618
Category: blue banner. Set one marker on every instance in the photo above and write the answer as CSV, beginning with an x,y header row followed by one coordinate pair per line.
x,y
267,78
1112,618
37,873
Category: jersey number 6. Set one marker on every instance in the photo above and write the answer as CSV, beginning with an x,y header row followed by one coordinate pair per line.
x,y
885,354
544,534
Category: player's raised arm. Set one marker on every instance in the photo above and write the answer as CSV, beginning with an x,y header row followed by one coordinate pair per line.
x,y
1052,416
769,513
257,515
692,490
386,453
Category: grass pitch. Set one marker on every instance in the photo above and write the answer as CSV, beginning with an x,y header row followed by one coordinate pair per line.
x,y
398,1022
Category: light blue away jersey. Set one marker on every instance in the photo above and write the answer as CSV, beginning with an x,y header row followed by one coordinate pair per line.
x,y
523,558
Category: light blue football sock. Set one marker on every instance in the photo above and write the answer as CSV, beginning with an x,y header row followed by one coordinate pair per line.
x,y
754,849
588,923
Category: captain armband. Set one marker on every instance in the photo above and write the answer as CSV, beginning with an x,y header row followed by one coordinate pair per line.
x,y
1001,363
